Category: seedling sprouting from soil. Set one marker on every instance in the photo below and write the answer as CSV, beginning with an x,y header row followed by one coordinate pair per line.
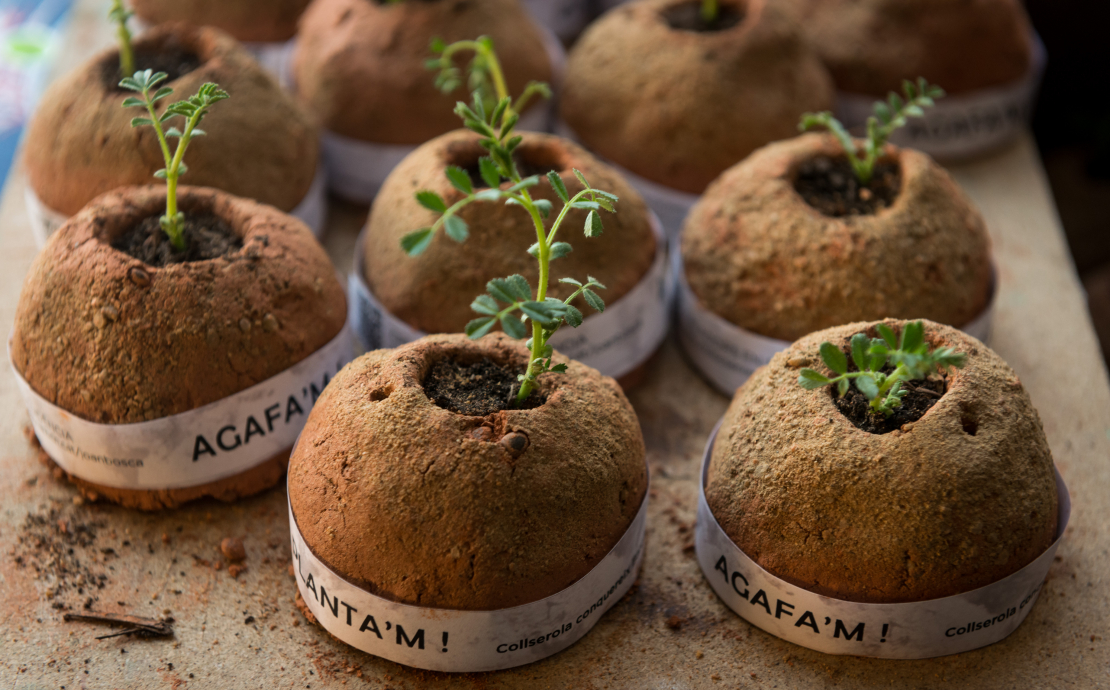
x,y
193,110
709,9
494,119
910,356
889,116
120,14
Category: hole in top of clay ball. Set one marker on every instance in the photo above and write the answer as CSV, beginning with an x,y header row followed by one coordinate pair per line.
x,y
969,421
476,387
686,16
381,394
169,55
828,184
207,236
531,158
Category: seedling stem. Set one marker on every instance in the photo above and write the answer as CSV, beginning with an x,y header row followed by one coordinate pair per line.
x,y
120,14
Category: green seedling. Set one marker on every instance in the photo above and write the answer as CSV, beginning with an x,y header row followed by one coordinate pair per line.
x,y
910,356
193,110
709,10
120,14
511,301
889,116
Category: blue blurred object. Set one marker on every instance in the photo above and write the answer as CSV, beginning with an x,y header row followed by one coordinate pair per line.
x,y
30,32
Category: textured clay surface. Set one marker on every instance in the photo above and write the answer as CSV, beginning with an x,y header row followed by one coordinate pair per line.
x,y
759,256
870,46
433,291
360,64
261,21
959,499
679,107
115,341
260,144
424,506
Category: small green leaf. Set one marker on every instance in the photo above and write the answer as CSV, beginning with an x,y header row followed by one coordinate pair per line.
x,y
161,174
417,241
526,182
431,201
834,358
484,304
476,328
173,132
570,281
558,186
197,132
593,300
860,343
587,205
140,121
489,171
544,313
456,228
559,368
459,179
868,387
811,380
513,326
593,226
520,287
913,336
131,102
842,387
560,249
162,93
492,194
499,288
887,335
543,206
581,178
573,316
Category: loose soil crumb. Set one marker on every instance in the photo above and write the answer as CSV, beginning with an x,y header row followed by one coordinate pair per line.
x,y
172,58
206,237
476,390
687,17
53,544
233,550
923,395
830,186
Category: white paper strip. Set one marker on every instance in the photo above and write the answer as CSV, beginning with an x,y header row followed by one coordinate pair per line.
x,y
726,354
614,342
274,58
203,445
466,641
963,125
917,630
671,205
566,18
312,210
357,169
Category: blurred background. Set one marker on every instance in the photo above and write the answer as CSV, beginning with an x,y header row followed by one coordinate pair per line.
x,y
1071,122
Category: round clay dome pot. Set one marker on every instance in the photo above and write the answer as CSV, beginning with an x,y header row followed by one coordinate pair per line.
x,y
260,144
261,21
114,340
432,292
679,106
871,46
360,65
961,498
458,511
761,257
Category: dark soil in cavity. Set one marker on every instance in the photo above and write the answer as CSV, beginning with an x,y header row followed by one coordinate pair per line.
x,y
525,167
171,57
477,389
923,394
206,237
687,17
830,186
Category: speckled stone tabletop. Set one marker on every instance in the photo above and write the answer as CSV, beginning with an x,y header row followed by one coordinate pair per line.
x,y
670,631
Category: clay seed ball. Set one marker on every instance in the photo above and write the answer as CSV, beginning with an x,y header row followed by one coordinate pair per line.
x,y
261,21
761,257
679,106
433,291
259,144
114,340
961,498
360,64
871,46
425,506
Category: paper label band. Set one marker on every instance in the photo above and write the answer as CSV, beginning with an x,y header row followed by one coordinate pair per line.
x,y
466,641
727,354
275,58
357,169
614,342
565,18
312,210
917,630
671,205
192,448
961,125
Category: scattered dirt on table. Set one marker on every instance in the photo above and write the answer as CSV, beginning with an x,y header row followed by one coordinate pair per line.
x,y
58,545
